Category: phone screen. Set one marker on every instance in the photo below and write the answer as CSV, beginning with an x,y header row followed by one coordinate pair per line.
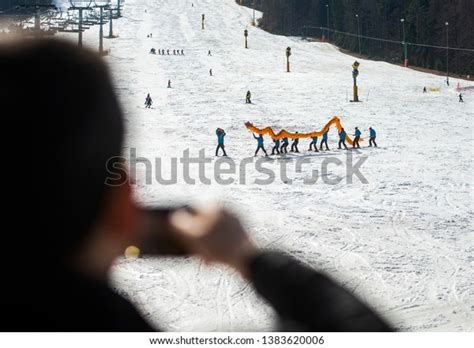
x,y
155,235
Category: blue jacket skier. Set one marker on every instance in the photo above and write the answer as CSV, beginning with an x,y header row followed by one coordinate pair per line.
x,y
373,135
284,146
357,135
260,144
314,142
325,140
276,147
342,139
220,141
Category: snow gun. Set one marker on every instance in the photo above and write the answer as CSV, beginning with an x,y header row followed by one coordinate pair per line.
x,y
285,134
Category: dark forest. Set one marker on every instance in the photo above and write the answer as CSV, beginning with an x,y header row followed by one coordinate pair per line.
x,y
424,22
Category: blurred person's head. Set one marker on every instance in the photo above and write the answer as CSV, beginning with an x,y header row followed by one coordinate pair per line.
x,y
64,96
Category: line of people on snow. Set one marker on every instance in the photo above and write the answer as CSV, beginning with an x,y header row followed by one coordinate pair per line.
x,y
168,52
281,146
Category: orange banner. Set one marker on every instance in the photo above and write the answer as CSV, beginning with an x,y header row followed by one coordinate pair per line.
x,y
285,134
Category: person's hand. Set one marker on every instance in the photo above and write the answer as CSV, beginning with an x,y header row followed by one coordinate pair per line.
x,y
215,235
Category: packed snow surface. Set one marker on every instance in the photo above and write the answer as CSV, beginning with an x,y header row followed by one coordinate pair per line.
x,y
403,241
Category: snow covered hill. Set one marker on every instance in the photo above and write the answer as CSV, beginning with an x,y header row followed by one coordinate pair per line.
x,y
403,241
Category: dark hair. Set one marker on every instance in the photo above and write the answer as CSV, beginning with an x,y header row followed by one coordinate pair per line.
x,y
66,96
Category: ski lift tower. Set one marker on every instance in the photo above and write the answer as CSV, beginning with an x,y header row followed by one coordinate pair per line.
x,y
114,13
101,5
81,6
119,9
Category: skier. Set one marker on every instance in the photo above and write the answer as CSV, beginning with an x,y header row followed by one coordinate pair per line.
x,y
182,52
460,98
424,90
324,140
373,135
220,141
314,142
209,53
248,98
151,35
357,135
342,139
163,52
153,51
284,147
210,72
148,101
169,83
276,147
294,145
168,52
174,52
259,144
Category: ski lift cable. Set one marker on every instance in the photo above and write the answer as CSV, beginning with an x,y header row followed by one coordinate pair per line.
x,y
391,41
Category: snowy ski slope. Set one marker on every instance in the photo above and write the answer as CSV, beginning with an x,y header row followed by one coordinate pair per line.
x,y
403,241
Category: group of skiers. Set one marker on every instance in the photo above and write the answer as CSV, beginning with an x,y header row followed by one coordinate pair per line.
x,y
281,147
179,52
148,100
163,52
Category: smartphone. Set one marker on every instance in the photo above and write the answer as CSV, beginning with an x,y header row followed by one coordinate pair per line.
x,y
155,236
